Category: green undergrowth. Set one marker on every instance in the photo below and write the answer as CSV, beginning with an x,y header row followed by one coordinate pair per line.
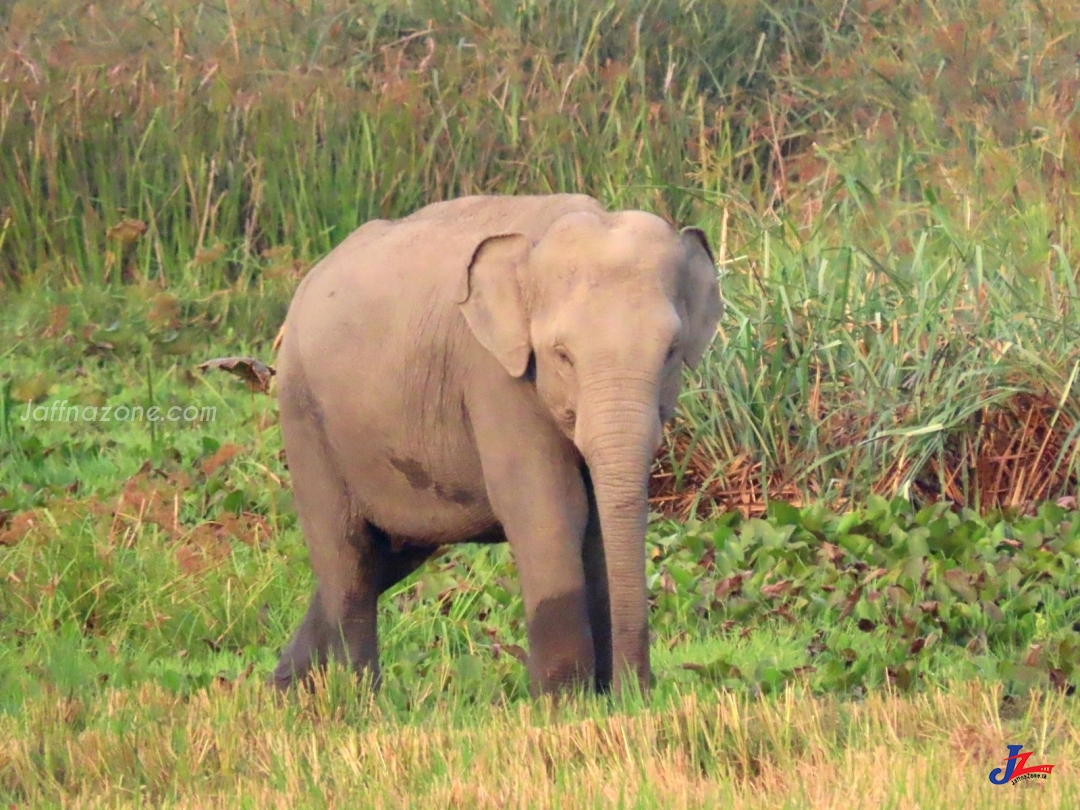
x,y
103,594
168,552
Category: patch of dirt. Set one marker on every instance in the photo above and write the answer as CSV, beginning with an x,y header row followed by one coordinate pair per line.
x,y
225,453
15,528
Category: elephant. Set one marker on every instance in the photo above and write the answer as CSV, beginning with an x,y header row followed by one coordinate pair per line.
x,y
489,369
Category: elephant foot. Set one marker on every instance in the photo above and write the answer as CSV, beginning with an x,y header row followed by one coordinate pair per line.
x,y
351,640
561,653
290,671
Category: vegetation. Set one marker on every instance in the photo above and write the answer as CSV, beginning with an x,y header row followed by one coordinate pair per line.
x,y
233,747
863,558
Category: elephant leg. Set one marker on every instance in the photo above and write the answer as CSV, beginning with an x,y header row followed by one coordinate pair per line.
x,y
341,620
393,565
553,587
340,624
538,496
353,638
349,638
556,603
596,589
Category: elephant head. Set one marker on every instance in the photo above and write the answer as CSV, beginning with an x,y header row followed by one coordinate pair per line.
x,y
600,314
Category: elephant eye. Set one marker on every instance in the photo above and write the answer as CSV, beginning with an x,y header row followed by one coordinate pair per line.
x,y
670,353
564,356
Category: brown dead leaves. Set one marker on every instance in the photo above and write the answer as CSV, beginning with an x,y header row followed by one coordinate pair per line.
x,y
58,321
223,454
1005,456
1012,457
254,372
150,500
14,528
210,544
707,490
126,231
38,524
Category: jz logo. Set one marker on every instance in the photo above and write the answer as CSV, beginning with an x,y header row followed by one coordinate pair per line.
x,y
1016,768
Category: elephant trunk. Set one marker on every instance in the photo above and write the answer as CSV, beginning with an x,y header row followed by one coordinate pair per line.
x,y
618,434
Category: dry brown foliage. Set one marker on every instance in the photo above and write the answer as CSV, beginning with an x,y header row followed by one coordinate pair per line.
x,y
1008,459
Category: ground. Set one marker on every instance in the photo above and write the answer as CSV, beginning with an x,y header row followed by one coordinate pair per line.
x,y
862,559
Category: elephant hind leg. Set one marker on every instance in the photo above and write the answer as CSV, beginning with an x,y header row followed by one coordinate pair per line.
x,y
350,633
394,564
341,619
344,630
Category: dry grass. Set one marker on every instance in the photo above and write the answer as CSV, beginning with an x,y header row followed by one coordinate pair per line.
x,y
701,488
237,746
1012,455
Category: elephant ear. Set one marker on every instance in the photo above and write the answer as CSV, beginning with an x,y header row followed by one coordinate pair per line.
x,y
491,300
701,288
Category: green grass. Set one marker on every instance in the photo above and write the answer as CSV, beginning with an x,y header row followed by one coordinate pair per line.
x,y
869,587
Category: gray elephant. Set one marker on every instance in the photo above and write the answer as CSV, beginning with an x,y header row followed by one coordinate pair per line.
x,y
489,369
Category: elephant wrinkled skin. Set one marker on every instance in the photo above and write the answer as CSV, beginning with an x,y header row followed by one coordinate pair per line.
x,y
488,369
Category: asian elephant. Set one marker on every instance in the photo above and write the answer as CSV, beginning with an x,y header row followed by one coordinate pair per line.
x,y
488,369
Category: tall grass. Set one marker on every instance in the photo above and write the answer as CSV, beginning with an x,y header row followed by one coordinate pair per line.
x,y
889,187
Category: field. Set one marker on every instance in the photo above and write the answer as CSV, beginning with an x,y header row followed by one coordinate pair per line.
x,y
863,557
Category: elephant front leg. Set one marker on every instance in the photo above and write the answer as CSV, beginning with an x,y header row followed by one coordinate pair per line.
x,y
538,496
561,654
545,535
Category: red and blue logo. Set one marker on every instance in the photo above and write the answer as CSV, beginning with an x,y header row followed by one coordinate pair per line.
x,y
1017,769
